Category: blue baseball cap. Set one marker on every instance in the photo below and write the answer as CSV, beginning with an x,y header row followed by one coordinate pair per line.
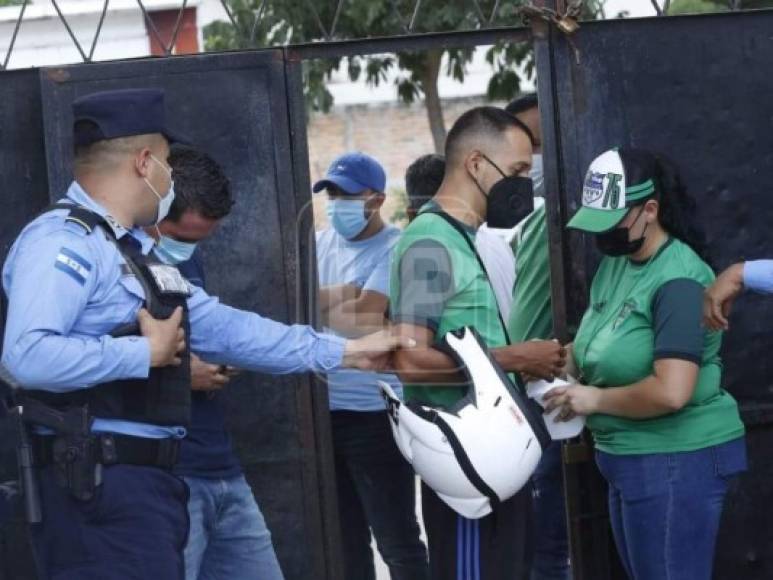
x,y
122,113
354,173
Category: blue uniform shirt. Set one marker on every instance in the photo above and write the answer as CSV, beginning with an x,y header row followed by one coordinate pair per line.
x,y
67,291
364,263
758,276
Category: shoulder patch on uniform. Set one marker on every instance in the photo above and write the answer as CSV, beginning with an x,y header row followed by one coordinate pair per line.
x,y
75,228
73,264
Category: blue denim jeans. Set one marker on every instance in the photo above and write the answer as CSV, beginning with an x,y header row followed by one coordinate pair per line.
x,y
376,491
665,508
228,535
551,541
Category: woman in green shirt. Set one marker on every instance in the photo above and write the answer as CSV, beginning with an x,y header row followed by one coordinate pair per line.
x,y
668,437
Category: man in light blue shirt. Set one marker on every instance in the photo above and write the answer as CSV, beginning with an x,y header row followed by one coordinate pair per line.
x,y
376,486
77,278
756,275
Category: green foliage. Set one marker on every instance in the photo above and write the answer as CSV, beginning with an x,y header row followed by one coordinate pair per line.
x,y
295,21
10,2
507,58
415,74
399,216
702,6
504,57
696,7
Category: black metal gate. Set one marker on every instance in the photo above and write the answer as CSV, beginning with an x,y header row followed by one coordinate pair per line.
x,y
24,184
698,89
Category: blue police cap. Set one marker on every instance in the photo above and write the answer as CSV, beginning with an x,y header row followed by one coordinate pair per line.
x,y
354,173
122,113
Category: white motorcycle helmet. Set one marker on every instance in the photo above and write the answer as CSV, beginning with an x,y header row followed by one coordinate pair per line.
x,y
481,451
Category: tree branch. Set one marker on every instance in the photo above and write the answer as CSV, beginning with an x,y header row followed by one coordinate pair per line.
x,y
429,78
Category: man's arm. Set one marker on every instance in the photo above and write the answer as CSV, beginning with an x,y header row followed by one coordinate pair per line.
x,y
426,284
226,335
366,312
333,296
718,299
424,364
363,315
49,278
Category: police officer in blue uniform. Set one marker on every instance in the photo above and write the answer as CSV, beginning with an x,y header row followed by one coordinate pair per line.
x,y
96,324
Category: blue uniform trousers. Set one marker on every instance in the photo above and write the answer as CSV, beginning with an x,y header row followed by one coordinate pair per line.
x,y
135,527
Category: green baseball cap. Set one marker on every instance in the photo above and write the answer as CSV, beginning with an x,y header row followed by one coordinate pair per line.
x,y
614,183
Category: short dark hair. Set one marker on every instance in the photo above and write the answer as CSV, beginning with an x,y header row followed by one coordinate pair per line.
x,y
481,121
522,104
423,178
199,184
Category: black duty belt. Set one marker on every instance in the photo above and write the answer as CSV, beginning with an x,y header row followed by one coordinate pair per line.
x,y
115,449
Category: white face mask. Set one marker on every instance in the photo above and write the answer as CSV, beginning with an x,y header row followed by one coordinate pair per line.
x,y
537,175
165,201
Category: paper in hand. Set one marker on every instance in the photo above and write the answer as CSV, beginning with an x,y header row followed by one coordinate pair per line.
x,y
561,429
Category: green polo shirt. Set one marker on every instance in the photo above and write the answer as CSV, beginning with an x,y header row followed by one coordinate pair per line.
x,y
531,316
436,282
642,312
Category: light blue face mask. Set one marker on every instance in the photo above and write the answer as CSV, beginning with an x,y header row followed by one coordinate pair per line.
x,y
347,216
173,252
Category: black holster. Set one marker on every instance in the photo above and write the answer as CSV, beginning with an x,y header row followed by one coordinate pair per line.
x,y
72,449
75,464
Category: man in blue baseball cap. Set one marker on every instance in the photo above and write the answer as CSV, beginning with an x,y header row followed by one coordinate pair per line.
x,y
100,330
355,184
375,485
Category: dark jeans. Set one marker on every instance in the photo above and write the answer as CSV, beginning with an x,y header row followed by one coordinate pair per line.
x,y
495,547
134,528
665,508
376,490
551,542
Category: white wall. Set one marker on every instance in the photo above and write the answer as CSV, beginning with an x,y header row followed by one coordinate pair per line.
x,y
43,39
209,11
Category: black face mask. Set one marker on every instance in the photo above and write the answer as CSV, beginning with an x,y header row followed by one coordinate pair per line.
x,y
509,201
615,242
